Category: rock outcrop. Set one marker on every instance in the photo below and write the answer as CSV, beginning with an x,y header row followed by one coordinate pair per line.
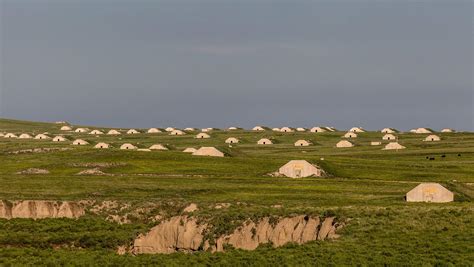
x,y
39,209
191,208
299,229
182,233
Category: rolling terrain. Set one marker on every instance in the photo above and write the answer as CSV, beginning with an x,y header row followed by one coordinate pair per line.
x,y
364,188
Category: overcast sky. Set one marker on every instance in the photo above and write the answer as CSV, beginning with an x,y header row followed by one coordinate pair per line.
x,y
219,63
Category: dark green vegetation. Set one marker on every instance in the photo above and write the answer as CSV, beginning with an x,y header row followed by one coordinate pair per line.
x,y
366,185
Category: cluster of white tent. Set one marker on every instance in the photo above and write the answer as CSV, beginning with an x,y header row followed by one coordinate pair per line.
x,y
170,130
204,134
99,132
428,130
389,136
317,129
352,133
43,136
60,138
424,192
286,129
126,146
203,151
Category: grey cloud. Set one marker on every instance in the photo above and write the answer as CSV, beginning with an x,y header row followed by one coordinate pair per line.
x,y
144,63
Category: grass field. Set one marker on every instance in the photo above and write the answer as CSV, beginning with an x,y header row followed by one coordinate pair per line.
x,y
366,185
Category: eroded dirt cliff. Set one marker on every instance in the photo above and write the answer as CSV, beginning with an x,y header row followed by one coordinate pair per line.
x,y
179,233
40,209
182,233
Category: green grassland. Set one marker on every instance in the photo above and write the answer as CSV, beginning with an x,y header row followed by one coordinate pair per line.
x,y
366,185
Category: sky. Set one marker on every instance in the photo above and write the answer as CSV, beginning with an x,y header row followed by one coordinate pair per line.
x,y
192,63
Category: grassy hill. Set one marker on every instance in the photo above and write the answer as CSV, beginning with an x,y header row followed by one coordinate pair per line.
x,y
366,185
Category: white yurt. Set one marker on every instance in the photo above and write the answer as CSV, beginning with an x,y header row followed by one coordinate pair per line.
x,y
389,137
350,135
177,132
81,130
203,136
432,138
232,140
127,147
430,192
286,130
357,130
25,136
258,128
388,131
302,143
59,138
344,143
96,132
393,146
264,141
300,169
79,142
42,137
113,132
102,146
132,131
208,151
318,130
158,147
153,130
10,135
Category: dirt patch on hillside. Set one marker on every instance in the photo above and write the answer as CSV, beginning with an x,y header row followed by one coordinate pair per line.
x,y
97,164
96,168
183,233
157,175
38,150
124,213
107,206
171,175
33,171
93,172
219,206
